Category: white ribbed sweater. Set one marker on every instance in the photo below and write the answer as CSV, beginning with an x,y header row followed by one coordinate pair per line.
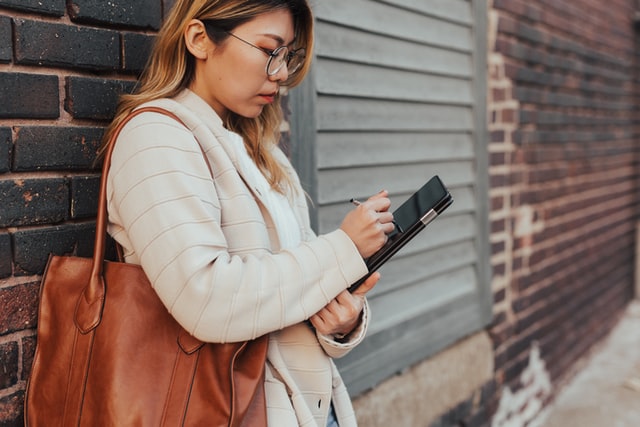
x,y
211,252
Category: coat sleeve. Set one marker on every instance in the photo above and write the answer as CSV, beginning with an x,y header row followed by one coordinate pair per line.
x,y
166,212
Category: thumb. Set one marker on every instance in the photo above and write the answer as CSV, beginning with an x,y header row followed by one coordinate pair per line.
x,y
367,285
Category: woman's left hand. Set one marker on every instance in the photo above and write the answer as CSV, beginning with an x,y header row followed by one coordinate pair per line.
x,y
342,314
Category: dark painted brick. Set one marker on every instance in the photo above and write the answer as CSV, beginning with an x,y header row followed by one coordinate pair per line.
x,y
33,247
33,201
140,13
54,148
137,48
49,7
95,99
6,42
28,351
9,362
5,150
11,410
167,5
19,307
84,196
29,96
44,43
5,255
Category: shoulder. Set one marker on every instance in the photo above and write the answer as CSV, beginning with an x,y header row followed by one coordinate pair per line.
x,y
152,130
151,142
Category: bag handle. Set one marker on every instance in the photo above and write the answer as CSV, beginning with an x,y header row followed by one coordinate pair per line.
x,y
89,308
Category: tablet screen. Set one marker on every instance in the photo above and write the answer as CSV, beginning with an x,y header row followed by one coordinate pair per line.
x,y
419,204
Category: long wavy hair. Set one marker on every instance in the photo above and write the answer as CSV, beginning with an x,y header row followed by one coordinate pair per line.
x,y
171,68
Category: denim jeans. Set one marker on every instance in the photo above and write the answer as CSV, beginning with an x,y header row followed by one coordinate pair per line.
x,y
332,421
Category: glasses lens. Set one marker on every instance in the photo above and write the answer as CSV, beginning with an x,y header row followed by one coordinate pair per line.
x,y
295,60
280,56
277,60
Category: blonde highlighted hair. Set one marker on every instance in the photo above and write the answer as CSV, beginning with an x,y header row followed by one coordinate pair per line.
x,y
171,69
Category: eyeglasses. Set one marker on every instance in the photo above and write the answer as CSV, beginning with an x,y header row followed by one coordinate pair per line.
x,y
279,57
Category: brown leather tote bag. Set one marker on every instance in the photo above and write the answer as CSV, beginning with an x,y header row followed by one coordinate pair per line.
x,y
109,353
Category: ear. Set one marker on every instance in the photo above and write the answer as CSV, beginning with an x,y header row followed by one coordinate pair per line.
x,y
196,39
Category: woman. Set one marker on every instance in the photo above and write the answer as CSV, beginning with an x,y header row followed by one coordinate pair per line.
x,y
225,240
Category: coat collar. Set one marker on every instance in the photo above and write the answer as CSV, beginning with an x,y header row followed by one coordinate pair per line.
x,y
214,123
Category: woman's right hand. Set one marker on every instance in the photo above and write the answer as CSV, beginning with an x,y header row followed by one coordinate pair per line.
x,y
368,224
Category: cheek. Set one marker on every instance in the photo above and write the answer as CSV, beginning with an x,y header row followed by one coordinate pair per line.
x,y
241,77
247,66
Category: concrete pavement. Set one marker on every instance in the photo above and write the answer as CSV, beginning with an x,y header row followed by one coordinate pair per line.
x,y
606,392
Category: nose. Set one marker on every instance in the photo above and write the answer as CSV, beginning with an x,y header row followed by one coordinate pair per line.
x,y
282,75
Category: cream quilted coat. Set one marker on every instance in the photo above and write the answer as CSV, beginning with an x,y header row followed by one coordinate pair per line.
x,y
210,249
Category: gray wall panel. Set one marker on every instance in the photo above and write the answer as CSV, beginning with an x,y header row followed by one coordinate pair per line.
x,y
398,90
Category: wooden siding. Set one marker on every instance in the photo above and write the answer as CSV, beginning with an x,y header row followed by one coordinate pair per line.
x,y
395,89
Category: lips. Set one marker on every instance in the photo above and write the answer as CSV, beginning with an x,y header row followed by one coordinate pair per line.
x,y
269,97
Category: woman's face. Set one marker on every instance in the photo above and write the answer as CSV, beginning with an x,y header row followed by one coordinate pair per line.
x,y
232,77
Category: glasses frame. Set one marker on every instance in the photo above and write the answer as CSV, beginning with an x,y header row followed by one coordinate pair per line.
x,y
288,56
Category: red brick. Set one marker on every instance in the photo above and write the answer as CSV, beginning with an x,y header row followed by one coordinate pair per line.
x,y
19,308
11,409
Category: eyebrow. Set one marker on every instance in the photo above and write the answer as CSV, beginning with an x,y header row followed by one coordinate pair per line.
x,y
279,39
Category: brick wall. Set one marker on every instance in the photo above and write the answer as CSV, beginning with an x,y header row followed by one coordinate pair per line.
x,y
564,179
564,196
62,65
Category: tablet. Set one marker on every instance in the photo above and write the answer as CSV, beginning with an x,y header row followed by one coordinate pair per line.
x,y
410,219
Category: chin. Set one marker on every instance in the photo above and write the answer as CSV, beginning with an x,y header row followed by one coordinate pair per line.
x,y
250,113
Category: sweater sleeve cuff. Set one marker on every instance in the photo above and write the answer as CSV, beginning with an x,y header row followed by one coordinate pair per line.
x,y
338,348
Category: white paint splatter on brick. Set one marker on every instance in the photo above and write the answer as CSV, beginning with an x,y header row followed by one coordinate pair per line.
x,y
525,408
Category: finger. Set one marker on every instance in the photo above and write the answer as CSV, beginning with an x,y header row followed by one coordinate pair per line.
x,y
367,285
350,304
381,193
387,228
318,322
385,217
378,204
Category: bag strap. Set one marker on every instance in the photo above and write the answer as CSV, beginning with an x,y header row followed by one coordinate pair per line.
x,y
89,308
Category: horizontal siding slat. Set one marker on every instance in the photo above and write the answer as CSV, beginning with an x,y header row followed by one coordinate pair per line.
x,y
348,79
341,184
351,45
406,267
395,22
337,149
341,113
453,10
419,298
331,215
445,230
